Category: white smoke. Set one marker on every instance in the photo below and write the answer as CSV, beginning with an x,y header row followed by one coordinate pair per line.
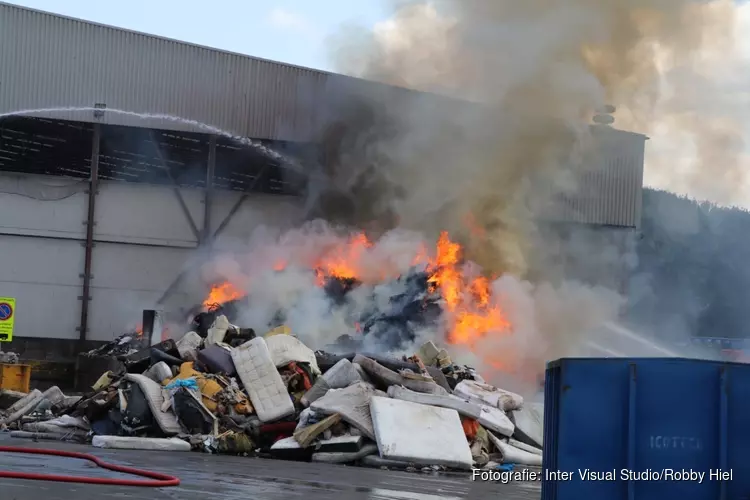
x,y
547,321
535,71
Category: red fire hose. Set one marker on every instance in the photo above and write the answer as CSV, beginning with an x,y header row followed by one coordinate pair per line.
x,y
157,480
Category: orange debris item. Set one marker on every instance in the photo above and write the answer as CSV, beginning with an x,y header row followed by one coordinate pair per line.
x,y
471,428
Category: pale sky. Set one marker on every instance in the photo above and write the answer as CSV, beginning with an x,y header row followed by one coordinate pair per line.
x,y
291,31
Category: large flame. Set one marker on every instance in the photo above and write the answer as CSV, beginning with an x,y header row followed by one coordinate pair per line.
x,y
472,312
470,309
222,293
344,261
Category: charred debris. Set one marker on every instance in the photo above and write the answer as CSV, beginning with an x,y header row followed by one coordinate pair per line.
x,y
223,389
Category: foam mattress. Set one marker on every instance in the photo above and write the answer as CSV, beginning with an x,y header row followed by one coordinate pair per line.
x,y
152,391
261,379
407,431
140,443
286,349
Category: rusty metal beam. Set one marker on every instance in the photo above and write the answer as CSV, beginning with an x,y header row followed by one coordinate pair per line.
x,y
177,192
224,223
238,204
96,240
235,208
89,243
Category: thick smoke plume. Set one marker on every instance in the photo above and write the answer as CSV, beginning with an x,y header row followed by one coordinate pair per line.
x,y
505,130
536,70
700,122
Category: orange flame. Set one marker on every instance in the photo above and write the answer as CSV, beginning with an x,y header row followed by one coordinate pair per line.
x,y
223,293
468,301
139,330
444,271
343,261
470,310
280,265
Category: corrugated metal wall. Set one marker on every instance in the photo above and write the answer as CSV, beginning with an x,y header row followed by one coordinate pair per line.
x,y
608,185
49,61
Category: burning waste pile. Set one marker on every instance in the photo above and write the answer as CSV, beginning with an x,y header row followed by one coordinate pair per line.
x,y
223,389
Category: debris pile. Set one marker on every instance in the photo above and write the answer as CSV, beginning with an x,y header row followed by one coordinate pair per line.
x,y
8,358
221,389
125,344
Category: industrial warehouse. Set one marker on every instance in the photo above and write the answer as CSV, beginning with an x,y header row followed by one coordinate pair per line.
x,y
170,286
162,188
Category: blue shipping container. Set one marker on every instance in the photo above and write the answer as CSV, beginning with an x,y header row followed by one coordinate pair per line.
x,y
648,415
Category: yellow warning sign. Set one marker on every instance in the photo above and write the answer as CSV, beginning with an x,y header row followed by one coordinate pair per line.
x,y
7,318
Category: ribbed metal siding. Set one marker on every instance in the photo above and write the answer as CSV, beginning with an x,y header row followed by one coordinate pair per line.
x,y
610,186
51,61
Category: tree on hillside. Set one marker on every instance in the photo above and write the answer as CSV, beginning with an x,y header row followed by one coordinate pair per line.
x,y
692,268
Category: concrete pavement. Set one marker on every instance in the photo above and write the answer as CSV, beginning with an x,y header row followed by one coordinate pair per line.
x,y
212,477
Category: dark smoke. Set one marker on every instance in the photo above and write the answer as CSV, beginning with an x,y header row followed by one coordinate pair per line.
x,y
534,72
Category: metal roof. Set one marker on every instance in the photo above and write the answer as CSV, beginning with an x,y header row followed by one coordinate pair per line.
x,y
53,61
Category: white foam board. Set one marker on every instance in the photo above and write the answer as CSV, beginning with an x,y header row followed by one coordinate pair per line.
x,y
496,420
352,403
286,349
513,455
166,420
140,443
419,433
530,424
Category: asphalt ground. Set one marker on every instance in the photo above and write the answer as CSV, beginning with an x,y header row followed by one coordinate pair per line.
x,y
213,477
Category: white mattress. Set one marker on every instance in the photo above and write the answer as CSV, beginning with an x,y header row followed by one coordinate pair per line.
x,y
286,349
465,408
496,420
166,420
261,379
344,457
418,433
513,455
286,444
188,346
530,423
487,394
352,403
140,443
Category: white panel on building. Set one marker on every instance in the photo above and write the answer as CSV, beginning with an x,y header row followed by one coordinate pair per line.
x,y
43,276
147,214
42,206
126,280
257,210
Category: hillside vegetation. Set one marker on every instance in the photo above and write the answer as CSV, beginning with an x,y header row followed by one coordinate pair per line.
x,y
693,272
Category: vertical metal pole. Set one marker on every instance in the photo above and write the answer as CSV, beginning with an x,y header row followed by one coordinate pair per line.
x,y
208,201
89,245
632,429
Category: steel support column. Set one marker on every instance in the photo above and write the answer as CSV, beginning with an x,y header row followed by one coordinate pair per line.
x,y
224,223
238,204
176,191
89,243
